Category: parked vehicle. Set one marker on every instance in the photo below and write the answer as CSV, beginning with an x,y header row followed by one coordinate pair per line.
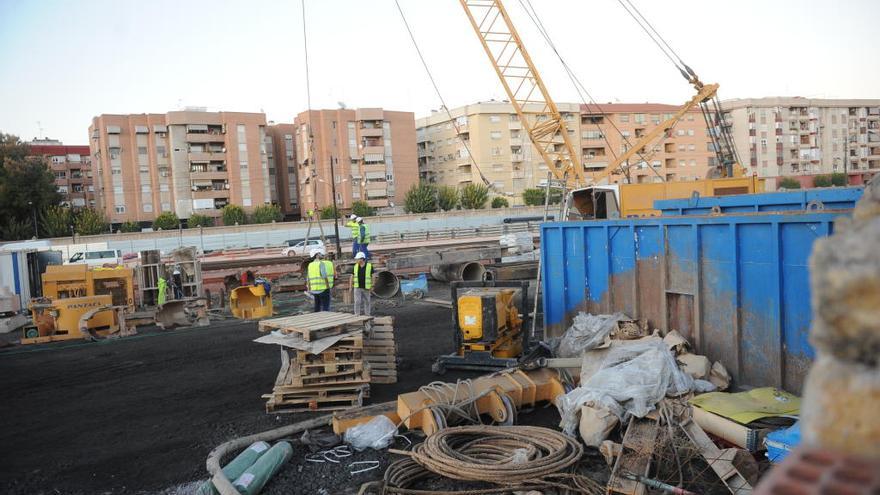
x,y
97,258
303,248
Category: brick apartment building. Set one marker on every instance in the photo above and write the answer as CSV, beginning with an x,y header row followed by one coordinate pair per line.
x,y
72,167
281,155
373,155
188,162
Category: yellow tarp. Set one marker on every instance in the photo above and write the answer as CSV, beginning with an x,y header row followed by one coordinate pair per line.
x,y
745,407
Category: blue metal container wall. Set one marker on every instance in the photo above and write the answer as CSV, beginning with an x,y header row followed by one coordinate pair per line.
x,y
736,286
835,198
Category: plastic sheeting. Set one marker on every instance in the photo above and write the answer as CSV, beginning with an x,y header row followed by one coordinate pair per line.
x,y
630,382
587,332
376,433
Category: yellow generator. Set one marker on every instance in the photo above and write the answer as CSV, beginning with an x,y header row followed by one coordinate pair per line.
x,y
65,281
59,319
488,326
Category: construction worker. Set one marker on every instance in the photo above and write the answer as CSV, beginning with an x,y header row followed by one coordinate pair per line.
x,y
177,282
320,280
363,237
361,284
355,233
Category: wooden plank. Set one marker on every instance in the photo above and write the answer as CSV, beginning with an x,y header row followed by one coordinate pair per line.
x,y
720,460
383,320
635,456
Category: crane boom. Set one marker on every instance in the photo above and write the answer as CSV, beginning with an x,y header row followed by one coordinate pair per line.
x,y
524,87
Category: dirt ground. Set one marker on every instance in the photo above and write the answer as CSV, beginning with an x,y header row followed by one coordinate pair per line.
x,y
139,415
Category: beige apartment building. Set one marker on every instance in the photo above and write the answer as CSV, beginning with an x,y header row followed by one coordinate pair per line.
x,y
372,151
281,156
71,165
493,135
684,153
187,162
784,136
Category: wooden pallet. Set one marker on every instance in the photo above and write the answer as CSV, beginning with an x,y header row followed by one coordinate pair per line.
x,y
328,398
380,351
313,326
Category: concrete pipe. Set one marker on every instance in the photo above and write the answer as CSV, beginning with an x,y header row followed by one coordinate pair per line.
x,y
469,271
386,285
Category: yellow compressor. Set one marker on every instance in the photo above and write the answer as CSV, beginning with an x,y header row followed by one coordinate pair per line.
x,y
488,326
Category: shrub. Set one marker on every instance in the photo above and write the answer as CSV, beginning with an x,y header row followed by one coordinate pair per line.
x,y
447,198
130,226
421,198
196,220
329,212
56,221
166,220
90,221
234,214
535,196
789,183
838,179
266,214
499,202
822,181
474,196
362,209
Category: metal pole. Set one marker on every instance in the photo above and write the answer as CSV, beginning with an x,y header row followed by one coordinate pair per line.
x,y
335,209
540,259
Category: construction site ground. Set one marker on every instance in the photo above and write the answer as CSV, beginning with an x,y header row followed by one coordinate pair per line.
x,y
140,414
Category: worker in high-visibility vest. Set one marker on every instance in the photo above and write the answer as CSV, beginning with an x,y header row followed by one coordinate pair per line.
x,y
363,237
362,284
320,280
355,233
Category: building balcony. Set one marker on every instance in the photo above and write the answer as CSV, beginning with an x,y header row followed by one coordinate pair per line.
x,y
374,150
516,157
514,124
205,137
377,203
593,166
213,175
206,156
516,141
210,193
371,131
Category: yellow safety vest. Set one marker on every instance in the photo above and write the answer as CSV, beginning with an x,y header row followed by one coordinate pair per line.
x,y
354,230
365,239
368,277
316,281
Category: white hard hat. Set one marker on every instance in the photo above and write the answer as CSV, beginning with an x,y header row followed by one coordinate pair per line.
x,y
360,256
314,252
359,219
353,217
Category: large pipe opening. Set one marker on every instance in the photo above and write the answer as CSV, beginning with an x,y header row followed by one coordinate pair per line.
x,y
472,272
469,271
386,285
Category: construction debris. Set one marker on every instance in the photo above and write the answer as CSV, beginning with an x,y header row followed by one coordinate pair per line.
x,y
635,457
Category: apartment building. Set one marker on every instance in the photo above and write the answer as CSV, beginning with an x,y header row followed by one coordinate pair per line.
x,y
785,136
72,167
371,151
187,162
493,135
281,157
609,130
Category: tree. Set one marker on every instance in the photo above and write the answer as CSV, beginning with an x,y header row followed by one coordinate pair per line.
x,y
27,184
15,230
474,196
167,220
838,179
447,198
56,221
90,221
234,214
329,212
822,181
129,226
499,202
421,198
362,209
535,196
196,220
266,214
789,183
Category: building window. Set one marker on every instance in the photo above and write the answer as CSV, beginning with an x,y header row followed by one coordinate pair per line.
x,y
119,209
692,147
690,132
679,132
148,208
624,117
115,171
494,119
117,189
496,151
495,134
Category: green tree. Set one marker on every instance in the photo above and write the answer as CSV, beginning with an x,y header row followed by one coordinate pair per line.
x,y
27,184
328,212
447,198
499,202
56,221
535,196
90,221
266,214
421,198
196,220
362,209
474,196
166,220
129,226
789,183
838,179
822,181
234,214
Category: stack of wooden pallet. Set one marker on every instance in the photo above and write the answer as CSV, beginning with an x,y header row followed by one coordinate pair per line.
x,y
336,378
380,351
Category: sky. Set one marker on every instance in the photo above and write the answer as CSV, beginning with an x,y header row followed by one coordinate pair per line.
x,y
64,62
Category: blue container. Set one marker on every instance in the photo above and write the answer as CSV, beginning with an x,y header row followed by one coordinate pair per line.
x,y
834,198
780,443
736,286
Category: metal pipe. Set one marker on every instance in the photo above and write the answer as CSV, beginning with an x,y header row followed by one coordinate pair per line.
x,y
468,271
386,285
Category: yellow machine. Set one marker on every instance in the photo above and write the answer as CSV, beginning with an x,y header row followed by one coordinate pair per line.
x,y
66,281
488,321
59,319
251,302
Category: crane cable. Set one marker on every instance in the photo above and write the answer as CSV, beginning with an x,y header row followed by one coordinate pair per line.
x,y
440,96
579,87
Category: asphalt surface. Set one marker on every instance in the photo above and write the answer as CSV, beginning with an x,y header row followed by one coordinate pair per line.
x,y
141,414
